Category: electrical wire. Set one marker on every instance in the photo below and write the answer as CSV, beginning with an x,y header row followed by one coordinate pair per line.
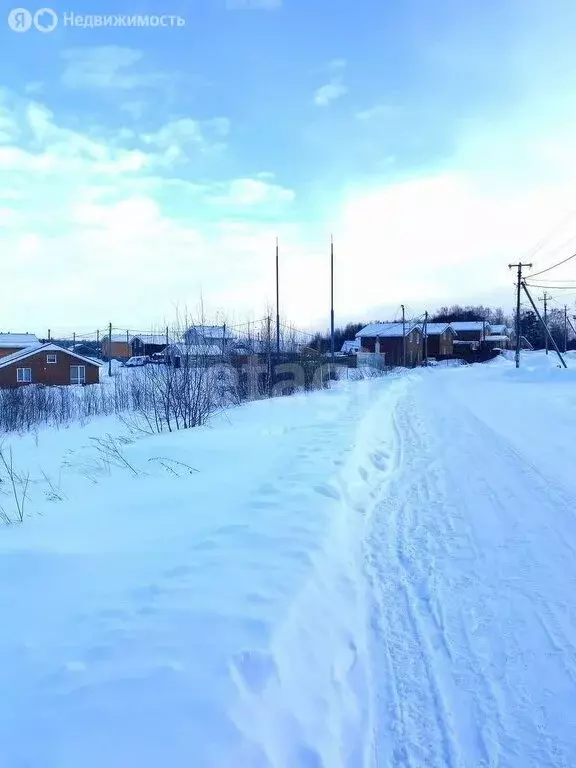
x,y
549,269
541,243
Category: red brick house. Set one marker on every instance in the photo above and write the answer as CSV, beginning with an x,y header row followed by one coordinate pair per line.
x,y
15,342
47,364
389,339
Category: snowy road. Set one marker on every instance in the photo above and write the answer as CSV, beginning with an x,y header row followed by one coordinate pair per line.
x,y
472,557
382,575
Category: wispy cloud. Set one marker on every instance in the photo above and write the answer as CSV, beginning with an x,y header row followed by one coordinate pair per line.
x,y
176,137
251,192
379,110
337,64
107,66
330,92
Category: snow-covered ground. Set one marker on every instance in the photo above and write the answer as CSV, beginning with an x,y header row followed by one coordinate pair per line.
x,y
377,575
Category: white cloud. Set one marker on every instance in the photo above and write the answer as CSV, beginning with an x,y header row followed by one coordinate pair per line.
x,y
379,110
107,66
182,131
252,192
9,129
328,93
178,137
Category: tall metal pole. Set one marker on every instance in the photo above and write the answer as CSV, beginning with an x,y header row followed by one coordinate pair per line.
x,y
277,303
518,287
269,345
332,299
109,349
547,332
403,336
426,338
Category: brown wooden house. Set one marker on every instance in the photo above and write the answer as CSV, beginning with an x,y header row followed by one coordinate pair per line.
x,y
15,342
389,339
47,364
473,330
440,339
119,348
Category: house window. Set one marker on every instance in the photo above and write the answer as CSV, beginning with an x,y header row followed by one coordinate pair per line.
x,y
24,375
77,374
51,359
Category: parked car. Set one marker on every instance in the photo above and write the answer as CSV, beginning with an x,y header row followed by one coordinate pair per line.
x,y
136,361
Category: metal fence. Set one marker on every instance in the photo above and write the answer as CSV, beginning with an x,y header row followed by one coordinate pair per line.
x,y
376,360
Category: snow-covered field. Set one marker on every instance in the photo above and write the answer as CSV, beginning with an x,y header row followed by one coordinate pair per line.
x,y
382,574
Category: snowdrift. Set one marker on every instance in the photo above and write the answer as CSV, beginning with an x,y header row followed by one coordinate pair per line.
x,y
201,600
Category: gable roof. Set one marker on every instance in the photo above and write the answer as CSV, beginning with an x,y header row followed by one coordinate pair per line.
x,y
470,325
384,330
15,357
17,340
499,329
350,346
211,331
157,339
117,338
437,329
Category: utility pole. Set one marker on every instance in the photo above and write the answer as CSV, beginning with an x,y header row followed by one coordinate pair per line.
x,y
426,338
565,328
98,350
49,339
518,287
109,349
269,346
403,335
332,299
277,303
73,339
546,331
545,300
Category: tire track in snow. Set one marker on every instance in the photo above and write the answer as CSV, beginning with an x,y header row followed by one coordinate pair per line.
x,y
471,562
420,723
417,529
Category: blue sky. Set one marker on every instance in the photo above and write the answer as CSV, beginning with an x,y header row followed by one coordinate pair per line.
x,y
143,168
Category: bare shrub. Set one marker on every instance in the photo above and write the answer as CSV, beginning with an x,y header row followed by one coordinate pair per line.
x,y
17,483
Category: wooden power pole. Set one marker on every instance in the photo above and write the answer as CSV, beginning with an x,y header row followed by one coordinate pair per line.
x,y
544,325
518,288
545,299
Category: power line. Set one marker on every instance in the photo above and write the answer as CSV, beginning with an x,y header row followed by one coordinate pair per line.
x,y
541,243
554,266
